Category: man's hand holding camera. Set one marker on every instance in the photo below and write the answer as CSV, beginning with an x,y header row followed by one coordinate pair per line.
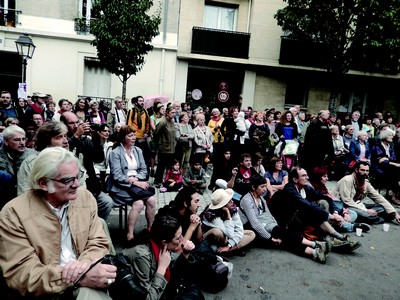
x,y
100,276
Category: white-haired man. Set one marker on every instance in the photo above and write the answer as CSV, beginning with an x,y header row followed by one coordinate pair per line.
x,y
51,235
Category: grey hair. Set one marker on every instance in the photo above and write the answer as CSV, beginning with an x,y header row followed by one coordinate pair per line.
x,y
334,127
118,124
47,163
93,102
382,135
215,109
117,98
10,131
360,132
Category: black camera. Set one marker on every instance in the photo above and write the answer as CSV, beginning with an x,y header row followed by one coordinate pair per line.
x,y
94,126
124,285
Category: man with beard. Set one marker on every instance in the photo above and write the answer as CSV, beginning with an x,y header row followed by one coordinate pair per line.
x,y
139,120
184,208
355,187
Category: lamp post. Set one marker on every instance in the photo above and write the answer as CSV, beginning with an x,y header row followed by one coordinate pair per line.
x,y
25,48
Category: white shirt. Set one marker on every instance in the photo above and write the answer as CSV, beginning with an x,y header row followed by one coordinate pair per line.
x,y
67,252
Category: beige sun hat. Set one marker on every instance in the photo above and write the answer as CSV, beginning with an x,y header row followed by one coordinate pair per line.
x,y
220,197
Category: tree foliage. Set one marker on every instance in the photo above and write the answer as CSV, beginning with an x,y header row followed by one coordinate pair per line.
x,y
365,33
123,33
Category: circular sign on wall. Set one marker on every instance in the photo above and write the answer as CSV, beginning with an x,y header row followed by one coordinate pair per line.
x,y
223,86
197,94
223,96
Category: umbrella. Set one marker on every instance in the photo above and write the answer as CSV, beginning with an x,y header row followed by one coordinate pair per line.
x,y
149,100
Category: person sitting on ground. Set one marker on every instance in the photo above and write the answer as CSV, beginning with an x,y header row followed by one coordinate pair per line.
x,y
128,173
276,175
240,179
256,216
184,208
195,176
257,163
318,179
222,168
151,259
173,178
353,188
51,235
296,207
222,225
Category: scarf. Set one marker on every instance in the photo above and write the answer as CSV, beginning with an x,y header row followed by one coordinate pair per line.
x,y
216,118
156,251
246,173
360,187
139,116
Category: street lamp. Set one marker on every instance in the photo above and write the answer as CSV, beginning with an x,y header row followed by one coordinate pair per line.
x,y
25,48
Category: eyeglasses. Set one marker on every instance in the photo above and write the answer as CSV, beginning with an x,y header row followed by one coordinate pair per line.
x,y
105,130
19,139
68,181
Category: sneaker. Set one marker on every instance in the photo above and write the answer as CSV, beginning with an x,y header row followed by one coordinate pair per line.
x,y
365,227
319,255
353,245
323,246
163,189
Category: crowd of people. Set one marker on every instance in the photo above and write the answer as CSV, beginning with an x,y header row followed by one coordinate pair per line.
x,y
62,171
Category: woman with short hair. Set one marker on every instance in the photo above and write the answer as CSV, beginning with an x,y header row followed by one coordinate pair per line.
x,y
128,173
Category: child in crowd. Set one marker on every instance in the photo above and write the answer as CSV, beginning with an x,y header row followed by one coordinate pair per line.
x,y
195,177
173,178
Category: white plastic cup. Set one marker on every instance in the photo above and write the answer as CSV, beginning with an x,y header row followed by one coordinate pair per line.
x,y
386,227
358,231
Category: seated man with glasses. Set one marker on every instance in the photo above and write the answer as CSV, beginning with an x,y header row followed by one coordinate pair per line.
x,y
12,154
50,236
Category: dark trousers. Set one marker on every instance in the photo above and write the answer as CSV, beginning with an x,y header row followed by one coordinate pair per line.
x,y
164,161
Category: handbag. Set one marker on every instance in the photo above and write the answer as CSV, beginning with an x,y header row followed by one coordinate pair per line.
x,y
291,147
107,185
137,193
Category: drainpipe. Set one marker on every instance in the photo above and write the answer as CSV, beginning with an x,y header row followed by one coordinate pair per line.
x,y
164,41
248,17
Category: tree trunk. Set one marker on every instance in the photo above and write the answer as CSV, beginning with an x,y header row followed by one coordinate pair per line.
x,y
124,80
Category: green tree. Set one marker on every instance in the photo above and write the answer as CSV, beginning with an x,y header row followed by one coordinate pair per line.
x,y
123,33
349,32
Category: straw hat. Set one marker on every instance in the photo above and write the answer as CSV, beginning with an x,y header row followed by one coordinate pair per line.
x,y
220,198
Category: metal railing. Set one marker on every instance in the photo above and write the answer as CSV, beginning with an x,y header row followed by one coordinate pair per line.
x,y
9,16
220,42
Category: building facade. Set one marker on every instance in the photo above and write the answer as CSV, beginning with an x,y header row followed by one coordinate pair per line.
x,y
210,53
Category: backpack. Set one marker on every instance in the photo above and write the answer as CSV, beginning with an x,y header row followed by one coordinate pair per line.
x,y
209,273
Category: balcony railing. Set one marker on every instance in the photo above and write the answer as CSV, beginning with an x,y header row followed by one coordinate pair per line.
x,y
82,25
299,53
220,42
9,16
